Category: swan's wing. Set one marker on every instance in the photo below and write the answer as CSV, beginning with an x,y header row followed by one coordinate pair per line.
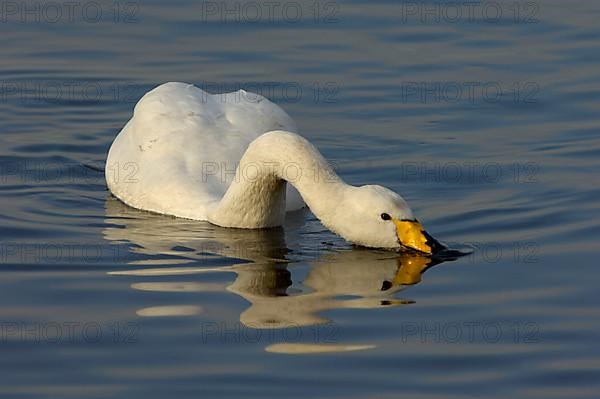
x,y
178,153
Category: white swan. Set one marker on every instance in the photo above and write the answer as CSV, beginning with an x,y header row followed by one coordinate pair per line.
x,y
226,159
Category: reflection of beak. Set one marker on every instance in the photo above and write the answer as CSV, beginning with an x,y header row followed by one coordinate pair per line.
x,y
410,269
411,234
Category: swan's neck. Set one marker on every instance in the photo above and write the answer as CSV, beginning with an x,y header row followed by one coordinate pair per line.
x,y
256,197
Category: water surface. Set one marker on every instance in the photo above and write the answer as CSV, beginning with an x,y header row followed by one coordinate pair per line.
x,y
489,128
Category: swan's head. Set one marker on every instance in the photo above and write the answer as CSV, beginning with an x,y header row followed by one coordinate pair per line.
x,y
378,217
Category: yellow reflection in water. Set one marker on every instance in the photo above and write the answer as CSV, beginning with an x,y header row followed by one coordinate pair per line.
x,y
299,349
174,310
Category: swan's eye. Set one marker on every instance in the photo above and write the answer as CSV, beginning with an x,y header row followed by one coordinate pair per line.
x,y
385,216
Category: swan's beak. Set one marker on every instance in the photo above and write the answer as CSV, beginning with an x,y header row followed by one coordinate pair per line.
x,y
411,234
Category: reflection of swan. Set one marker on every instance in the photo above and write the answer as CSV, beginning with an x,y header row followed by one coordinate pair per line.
x,y
341,280
182,145
346,278
184,241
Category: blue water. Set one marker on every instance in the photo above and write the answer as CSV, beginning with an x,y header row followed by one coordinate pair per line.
x,y
488,126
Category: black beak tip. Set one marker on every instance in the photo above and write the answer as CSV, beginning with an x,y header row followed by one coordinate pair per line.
x,y
440,252
434,244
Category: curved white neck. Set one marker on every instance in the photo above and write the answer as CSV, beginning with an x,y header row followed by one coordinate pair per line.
x,y
256,198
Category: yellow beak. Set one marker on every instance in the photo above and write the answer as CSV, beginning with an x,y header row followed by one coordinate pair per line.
x,y
412,234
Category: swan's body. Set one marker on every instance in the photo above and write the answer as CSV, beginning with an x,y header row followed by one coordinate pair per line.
x,y
226,158
179,152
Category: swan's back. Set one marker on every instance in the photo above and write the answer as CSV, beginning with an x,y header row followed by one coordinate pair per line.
x,y
178,153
